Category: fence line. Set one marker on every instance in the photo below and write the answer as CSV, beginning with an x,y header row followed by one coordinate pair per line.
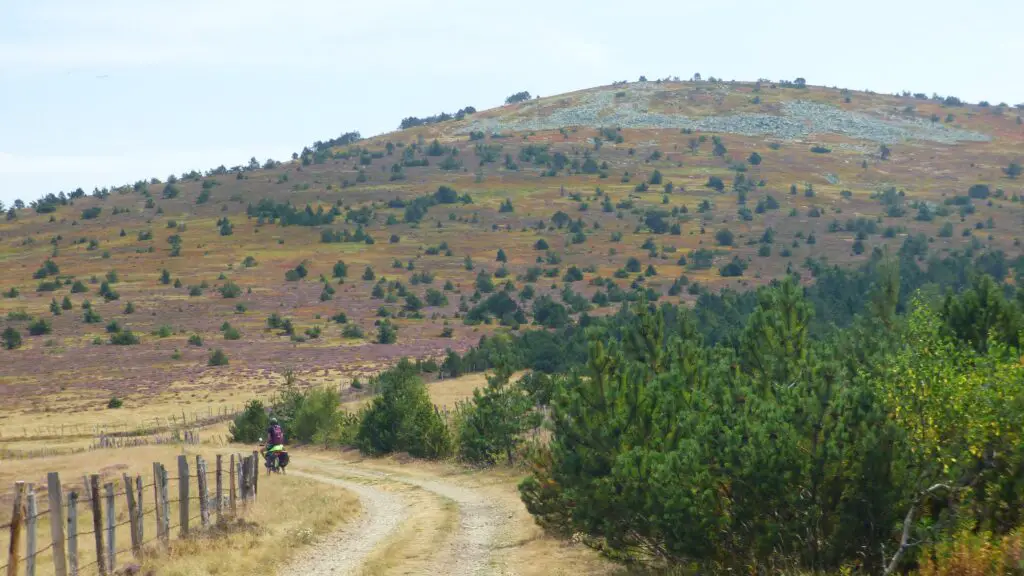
x,y
65,548
105,442
197,419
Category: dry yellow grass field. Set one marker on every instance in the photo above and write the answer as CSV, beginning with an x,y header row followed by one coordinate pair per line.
x,y
289,513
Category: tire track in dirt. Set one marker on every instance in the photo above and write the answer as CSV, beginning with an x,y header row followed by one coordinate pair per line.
x,y
345,551
470,550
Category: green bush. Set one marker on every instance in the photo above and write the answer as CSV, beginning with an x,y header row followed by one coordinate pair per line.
x,y
124,338
249,426
492,424
39,327
401,418
218,358
115,402
195,340
11,338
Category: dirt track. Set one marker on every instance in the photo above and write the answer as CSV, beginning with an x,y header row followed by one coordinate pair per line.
x,y
467,550
437,519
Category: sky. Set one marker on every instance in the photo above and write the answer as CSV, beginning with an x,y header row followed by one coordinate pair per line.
x,y
107,92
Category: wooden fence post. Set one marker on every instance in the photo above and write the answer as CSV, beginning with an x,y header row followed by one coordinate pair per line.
x,y
97,523
159,512
243,483
17,519
231,487
220,488
183,494
204,496
165,505
56,498
111,526
73,533
30,529
133,517
140,512
255,474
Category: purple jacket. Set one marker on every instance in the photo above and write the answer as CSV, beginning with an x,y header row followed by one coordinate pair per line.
x,y
275,435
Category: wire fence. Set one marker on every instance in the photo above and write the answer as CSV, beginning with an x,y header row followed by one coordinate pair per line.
x,y
139,428
80,528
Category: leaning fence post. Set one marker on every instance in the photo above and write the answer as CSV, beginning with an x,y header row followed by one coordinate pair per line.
x,y
111,526
220,488
56,497
133,518
183,494
243,485
255,474
165,505
156,499
231,487
97,523
140,512
30,529
17,519
204,497
73,533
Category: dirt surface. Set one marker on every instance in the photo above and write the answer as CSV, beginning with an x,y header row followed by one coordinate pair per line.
x,y
345,551
467,550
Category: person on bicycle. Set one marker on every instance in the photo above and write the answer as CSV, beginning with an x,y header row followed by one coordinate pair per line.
x,y
275,438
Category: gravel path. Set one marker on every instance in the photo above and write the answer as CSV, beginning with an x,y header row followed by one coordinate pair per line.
x,y
467,552
344,551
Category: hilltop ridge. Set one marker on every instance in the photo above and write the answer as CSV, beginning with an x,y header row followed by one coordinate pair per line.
x,y
563,204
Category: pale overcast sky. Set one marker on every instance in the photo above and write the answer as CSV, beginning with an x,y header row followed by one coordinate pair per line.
x,y
110,91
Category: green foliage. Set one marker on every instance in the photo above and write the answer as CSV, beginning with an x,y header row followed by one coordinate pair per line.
x,y
387,333
39,327
492,424
11,338
124,337
230,290
218,358
401,418
251,424
114,403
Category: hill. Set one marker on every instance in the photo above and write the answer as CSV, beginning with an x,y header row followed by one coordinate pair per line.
x,y
673,187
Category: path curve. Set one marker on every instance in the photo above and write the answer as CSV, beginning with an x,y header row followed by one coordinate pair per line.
x,y
345,551
469,551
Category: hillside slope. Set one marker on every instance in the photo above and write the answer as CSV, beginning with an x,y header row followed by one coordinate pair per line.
x,y
675,187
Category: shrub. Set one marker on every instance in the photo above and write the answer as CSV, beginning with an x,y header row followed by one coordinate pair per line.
x,y
402,418
195,340
230,290
724,237
715,183
79,287
11,338
249,426
39,327
340,270
387,333
124,338
232,333
115,403
492,424
352,331
368,274
218,358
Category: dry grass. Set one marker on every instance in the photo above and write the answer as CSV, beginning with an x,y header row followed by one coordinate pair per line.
x,y
289,512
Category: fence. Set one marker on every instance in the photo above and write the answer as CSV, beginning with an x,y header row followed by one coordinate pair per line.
x,y
87,543
196,419
104,442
